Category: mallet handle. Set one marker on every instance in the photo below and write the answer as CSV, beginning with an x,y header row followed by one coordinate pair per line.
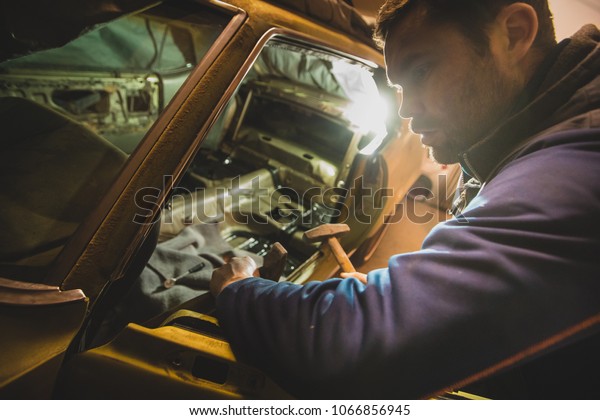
x,y
340,255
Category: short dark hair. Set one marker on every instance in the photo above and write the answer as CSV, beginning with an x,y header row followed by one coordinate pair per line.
x,y
471,17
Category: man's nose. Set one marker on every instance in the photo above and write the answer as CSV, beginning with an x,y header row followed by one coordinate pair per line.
x,y
411,105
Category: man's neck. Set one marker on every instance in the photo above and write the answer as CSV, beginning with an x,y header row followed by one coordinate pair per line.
x,y
538,70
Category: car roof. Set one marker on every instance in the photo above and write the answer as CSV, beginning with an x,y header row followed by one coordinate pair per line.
x,y
54,25
337,14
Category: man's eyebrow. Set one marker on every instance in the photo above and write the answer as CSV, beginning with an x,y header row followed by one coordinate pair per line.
x,y
405,64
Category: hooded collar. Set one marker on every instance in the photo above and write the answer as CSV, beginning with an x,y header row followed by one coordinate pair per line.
x,y
572,64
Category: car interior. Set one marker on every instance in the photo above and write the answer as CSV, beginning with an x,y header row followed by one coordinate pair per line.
x,y
278,161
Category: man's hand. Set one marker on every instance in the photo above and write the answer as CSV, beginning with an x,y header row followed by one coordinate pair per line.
x,y
361,276
236,269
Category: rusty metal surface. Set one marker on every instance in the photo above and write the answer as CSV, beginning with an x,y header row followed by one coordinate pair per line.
x,y
338,14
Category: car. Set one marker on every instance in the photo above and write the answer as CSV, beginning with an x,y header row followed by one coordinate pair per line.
x,y
156,145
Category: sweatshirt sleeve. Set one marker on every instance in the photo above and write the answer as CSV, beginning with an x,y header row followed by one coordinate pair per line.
x,y
516,274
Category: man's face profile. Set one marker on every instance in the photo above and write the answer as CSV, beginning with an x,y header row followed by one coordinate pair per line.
x,y
453,94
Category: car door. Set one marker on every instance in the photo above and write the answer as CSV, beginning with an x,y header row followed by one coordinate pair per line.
x,y
78,124
37,323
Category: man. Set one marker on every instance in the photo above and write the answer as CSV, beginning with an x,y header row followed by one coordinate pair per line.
x,y
514,286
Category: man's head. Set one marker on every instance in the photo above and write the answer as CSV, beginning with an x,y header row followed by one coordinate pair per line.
x,y
461,63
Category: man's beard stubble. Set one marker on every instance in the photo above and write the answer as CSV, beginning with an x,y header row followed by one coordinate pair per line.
x,y
487,96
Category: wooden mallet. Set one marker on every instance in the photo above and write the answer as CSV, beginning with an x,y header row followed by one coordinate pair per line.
x,y
330,233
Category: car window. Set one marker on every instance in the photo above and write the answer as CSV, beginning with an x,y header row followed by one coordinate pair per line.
x,y
278,160
71,116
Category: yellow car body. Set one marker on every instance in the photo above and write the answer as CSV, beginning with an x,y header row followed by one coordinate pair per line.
x,y
54,291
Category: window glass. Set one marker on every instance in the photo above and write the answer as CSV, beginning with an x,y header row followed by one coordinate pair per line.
x,y
274,163
72,115
319,134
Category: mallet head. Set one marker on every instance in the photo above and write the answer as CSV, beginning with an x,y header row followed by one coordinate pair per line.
x,y
326,231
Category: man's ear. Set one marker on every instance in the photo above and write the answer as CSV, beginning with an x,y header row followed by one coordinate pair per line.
x,y
519,22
